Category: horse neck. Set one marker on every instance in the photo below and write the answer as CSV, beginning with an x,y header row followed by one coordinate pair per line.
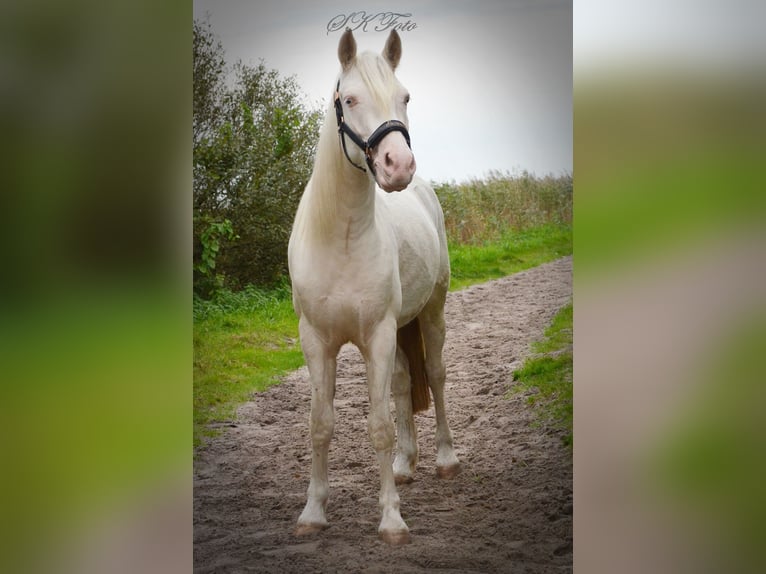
x,y
342,196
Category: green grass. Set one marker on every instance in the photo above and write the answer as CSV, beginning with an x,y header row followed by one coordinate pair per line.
x,y
548,375
514,252
242,344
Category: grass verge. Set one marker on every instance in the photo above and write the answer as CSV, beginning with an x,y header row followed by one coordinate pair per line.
x,y
548,375
513,252
243,342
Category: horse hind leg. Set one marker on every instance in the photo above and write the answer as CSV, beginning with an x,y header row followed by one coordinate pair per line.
x,y
433,329
406,433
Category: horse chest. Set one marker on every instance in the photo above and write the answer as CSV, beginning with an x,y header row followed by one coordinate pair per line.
x,y
343,316
345,297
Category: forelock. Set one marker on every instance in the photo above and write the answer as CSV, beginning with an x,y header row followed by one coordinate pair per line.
x,y
378,77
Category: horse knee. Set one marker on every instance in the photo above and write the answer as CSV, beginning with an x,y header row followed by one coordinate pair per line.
x,y
381,429
322,427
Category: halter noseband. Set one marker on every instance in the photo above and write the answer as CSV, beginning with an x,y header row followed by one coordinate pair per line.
x,y
372,142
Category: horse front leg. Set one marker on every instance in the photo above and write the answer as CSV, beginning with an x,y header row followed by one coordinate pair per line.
x,y
379,355
321,361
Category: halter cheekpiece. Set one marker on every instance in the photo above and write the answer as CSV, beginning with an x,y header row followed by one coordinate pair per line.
x,y
372,142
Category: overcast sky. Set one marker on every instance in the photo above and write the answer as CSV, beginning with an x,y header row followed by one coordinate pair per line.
x,y
491,80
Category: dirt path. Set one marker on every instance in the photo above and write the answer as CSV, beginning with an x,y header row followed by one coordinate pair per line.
x,y
510,510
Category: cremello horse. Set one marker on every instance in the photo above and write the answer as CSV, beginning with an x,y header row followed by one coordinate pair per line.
x,y
371,267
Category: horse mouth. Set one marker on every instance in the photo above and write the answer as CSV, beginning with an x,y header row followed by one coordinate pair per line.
x,y
392,186
391,180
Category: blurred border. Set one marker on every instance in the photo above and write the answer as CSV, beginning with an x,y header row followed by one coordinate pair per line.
x,y
669,284
95,404
95,399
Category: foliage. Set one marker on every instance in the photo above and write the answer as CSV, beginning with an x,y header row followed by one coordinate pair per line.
x,y
213,232
253,149
209,76
251,299
547,377
478,211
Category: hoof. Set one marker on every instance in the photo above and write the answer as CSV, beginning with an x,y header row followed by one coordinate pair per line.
x,y
450,471
402,478
395,537
307,529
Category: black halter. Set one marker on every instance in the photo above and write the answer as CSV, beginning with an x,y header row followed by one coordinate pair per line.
x,y
372,142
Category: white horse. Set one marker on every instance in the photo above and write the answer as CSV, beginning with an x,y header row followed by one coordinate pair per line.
x,y
371,268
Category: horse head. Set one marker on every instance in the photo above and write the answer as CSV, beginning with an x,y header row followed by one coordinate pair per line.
x,y
371,109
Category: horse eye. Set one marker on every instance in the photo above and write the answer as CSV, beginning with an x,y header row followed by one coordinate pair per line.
x,y
407,99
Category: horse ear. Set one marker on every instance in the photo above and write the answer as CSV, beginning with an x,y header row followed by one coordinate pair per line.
x,y
392,52
347,49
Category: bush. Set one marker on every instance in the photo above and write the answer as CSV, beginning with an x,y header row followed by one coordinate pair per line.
x,y
253,147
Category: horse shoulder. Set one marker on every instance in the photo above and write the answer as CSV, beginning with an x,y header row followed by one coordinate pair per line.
x,y
415,216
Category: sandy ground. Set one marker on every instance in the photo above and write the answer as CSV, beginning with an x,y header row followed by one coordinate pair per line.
x,y
510,510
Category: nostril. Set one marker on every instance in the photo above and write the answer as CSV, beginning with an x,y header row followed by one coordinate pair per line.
x,y
389,161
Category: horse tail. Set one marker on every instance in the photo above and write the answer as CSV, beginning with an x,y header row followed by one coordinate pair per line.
x,y
410,340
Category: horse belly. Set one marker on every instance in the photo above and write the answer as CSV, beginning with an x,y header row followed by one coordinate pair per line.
x,y
419,254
